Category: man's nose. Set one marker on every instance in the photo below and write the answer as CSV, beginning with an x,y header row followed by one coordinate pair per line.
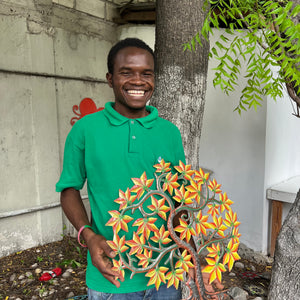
x,y
137,78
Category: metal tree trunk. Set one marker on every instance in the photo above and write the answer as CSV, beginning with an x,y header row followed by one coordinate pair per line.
x,y
181,76
285,281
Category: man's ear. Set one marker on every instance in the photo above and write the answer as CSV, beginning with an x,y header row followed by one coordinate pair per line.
x,y
109,79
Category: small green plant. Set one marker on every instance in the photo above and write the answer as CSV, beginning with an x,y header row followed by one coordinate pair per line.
x,y
64,229
42,290
26,292
69,262
39,259
79,252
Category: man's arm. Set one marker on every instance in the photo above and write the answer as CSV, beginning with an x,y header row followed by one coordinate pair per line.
x,y
100,252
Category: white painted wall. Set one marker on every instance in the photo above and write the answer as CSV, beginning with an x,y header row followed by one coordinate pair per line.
x,y
282,151
234,147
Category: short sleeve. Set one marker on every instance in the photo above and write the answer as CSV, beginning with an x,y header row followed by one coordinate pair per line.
x,y
73,173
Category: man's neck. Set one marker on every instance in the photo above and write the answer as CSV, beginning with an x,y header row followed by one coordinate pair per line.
x,y
131,114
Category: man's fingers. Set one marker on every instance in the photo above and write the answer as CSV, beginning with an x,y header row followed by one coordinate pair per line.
x,y
107,250
112,279
105,267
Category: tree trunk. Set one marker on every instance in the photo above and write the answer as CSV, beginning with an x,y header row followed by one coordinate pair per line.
x,y
285,280
181,76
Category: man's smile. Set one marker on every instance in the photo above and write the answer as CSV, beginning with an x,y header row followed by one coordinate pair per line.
x,y
136,92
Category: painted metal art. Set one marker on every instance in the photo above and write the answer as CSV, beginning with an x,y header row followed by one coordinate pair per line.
x,y
87,106
202,211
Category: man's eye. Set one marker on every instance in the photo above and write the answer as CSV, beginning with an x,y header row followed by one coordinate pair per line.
x,y
148,74
125,73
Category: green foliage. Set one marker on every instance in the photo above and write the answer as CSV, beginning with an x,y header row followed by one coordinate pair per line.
x,y
69,262
39,259
264,36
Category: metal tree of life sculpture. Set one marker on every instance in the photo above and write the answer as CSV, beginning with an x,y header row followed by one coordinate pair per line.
x,y
164,251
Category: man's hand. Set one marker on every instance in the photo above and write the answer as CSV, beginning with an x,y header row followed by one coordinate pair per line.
x,y
101,255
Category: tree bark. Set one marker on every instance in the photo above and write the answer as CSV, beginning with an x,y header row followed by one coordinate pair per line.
x,y
285,280
181,76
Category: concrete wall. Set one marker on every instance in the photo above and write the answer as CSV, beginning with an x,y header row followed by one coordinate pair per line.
x,y
52,56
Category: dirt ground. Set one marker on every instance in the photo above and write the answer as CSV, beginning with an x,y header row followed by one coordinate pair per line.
x,y
20,272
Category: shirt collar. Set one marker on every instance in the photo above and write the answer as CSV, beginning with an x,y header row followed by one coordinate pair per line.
x,y
117,119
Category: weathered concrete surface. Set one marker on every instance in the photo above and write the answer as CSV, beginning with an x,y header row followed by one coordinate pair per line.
x,y
51,57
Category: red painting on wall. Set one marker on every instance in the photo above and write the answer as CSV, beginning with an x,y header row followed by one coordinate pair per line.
x,y
87,106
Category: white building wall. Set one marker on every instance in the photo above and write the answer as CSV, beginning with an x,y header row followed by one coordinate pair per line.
x,y
282,152
232,146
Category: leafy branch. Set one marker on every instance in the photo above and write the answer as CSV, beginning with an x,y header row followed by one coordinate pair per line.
x,y
266,37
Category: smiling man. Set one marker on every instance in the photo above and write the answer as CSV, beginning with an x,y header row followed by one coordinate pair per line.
x,y
108,148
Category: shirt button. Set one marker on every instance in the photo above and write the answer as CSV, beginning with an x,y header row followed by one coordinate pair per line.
x,y
133,137
132,122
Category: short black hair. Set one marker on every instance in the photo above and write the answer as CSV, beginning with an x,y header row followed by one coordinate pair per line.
x,y
128,42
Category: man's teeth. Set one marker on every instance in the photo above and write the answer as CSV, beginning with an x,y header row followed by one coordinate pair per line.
x,y
136,92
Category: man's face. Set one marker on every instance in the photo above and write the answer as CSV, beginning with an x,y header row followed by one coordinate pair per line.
x,y
132,80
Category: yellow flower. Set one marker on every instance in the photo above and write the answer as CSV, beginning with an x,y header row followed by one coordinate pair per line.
x,y
145,258
218,225
118,244
118,221
231,219
118,267
142,184
186,230
183,196
214,250
159,207
225,202
195,189
201,223
184,261
136,244
200,176
161,236
213,209
235,235
146,225
231,254
214,186
174,277
170,182
157,276
214,268
185,170
125,199
162,167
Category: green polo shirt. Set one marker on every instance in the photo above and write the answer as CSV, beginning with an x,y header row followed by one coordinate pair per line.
x,y
108,149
